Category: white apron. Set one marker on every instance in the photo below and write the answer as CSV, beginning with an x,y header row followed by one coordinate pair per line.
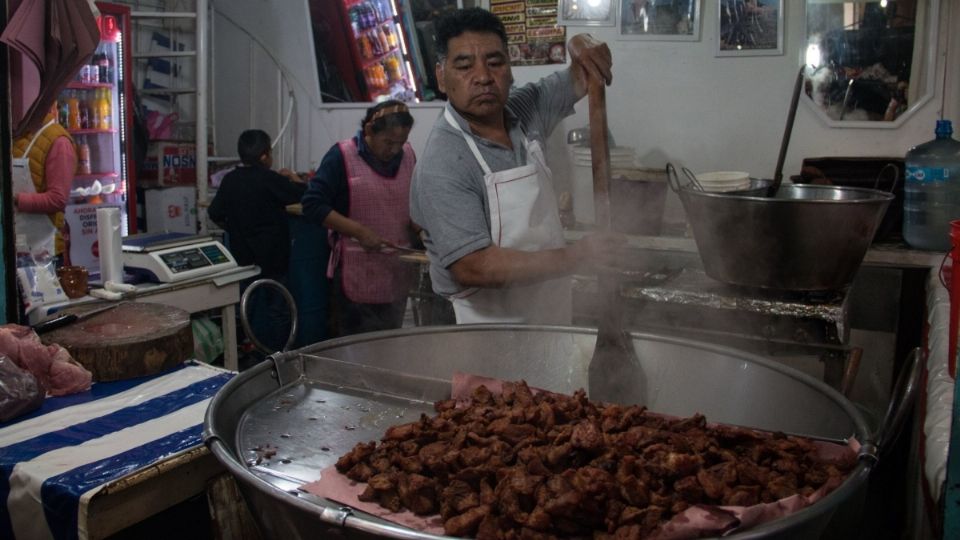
x,y
37,228
523,216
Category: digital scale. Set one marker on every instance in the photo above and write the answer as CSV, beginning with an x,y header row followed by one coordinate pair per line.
x,y
168,257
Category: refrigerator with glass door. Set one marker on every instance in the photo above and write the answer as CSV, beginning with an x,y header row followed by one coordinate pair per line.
x,y
95,110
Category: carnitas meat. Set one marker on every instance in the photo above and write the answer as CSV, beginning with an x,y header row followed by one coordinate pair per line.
x,y
524,464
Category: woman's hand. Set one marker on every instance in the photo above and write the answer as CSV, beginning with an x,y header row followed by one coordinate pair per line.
x,y
370,240
294,177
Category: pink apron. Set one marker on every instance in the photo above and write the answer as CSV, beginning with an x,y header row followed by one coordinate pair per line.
x,y
382,204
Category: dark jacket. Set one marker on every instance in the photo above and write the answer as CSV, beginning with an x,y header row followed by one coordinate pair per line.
x,y
250,206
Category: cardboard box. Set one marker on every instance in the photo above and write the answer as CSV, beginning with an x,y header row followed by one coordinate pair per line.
x,y
169,163
172,209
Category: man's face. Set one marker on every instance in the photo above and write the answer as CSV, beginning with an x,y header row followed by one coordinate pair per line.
x,y
476,74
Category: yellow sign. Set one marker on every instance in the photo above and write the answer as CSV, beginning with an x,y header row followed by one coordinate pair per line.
x,y
512,7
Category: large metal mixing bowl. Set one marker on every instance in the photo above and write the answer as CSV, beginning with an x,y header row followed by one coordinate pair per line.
x,y
316,403
805,238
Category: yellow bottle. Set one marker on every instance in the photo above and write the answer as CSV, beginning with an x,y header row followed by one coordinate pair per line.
x,y
73,115
105,110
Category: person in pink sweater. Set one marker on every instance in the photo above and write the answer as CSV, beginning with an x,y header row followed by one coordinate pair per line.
x,y
44,165
61,163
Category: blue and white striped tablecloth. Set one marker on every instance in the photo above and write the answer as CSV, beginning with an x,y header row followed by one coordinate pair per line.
x,y
55,459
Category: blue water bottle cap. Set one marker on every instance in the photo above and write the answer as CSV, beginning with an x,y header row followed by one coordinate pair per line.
x,y
944,129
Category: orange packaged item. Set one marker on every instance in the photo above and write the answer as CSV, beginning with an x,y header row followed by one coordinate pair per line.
x,y
83,157
73,111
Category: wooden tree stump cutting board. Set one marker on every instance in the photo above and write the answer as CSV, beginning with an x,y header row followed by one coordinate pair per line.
x,y
132,340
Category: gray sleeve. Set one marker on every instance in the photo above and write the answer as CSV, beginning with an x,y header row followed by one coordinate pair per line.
x,y
448,198
541,105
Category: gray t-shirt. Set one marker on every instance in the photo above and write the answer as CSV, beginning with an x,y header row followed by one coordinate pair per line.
x,y
448,196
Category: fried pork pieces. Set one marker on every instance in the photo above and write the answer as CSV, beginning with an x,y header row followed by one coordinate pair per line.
x,y
518,465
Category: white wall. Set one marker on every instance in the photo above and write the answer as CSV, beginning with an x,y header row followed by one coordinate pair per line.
x,y
673,101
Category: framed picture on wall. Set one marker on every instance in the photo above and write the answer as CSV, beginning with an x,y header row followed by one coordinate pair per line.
x,y
749,27
659,20
587,13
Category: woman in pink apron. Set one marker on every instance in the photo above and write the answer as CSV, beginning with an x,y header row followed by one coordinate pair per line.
x,y
361,193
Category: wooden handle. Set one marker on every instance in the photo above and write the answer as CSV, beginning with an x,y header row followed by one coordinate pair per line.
x,y
599,152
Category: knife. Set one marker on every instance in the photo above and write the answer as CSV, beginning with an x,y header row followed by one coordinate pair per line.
x,y
69,318
390,247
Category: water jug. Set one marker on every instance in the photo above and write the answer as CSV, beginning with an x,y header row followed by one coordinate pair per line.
x,y
932,190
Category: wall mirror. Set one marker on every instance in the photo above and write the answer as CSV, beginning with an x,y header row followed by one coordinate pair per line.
x,y
869,63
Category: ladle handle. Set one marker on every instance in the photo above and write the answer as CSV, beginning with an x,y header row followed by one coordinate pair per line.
x,y
787,131
904,394
693,178
599,151
896,176
672,178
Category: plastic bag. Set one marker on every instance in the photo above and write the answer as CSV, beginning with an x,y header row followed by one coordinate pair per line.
x,y
207,339
20,392
38,281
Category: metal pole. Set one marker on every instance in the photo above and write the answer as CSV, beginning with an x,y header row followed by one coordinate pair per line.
x,y
8,291
201,127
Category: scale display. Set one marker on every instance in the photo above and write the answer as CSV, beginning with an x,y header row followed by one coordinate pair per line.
x,y
175,259
189,259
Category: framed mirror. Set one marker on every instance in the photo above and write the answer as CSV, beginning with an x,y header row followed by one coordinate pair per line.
x,y
373,50
869,63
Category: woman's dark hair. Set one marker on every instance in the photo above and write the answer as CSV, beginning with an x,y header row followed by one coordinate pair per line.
x,y
252,144
456,22
386,115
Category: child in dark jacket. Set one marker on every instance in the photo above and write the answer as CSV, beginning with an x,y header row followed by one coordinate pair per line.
x,y
250,205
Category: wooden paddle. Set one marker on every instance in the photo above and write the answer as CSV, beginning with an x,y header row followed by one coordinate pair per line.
x,y
614,374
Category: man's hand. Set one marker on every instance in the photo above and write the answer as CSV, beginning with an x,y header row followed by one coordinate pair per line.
x,y
601,249
589,58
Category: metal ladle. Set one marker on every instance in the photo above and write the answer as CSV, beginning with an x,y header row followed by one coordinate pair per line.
x,y
787,131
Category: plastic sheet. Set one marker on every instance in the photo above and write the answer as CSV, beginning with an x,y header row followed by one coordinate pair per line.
x,y
939,394
20,392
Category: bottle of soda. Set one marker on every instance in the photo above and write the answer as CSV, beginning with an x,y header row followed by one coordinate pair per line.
x,y
83,156
367,17
84,106
932,190
382,38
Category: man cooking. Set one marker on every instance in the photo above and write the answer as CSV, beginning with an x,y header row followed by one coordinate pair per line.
x,y
482,191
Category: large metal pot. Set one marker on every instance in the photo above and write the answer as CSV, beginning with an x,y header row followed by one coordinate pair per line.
x,y
316,403
804,238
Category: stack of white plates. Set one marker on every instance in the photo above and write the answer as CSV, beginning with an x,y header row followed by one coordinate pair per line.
x,y
724,180
621,157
